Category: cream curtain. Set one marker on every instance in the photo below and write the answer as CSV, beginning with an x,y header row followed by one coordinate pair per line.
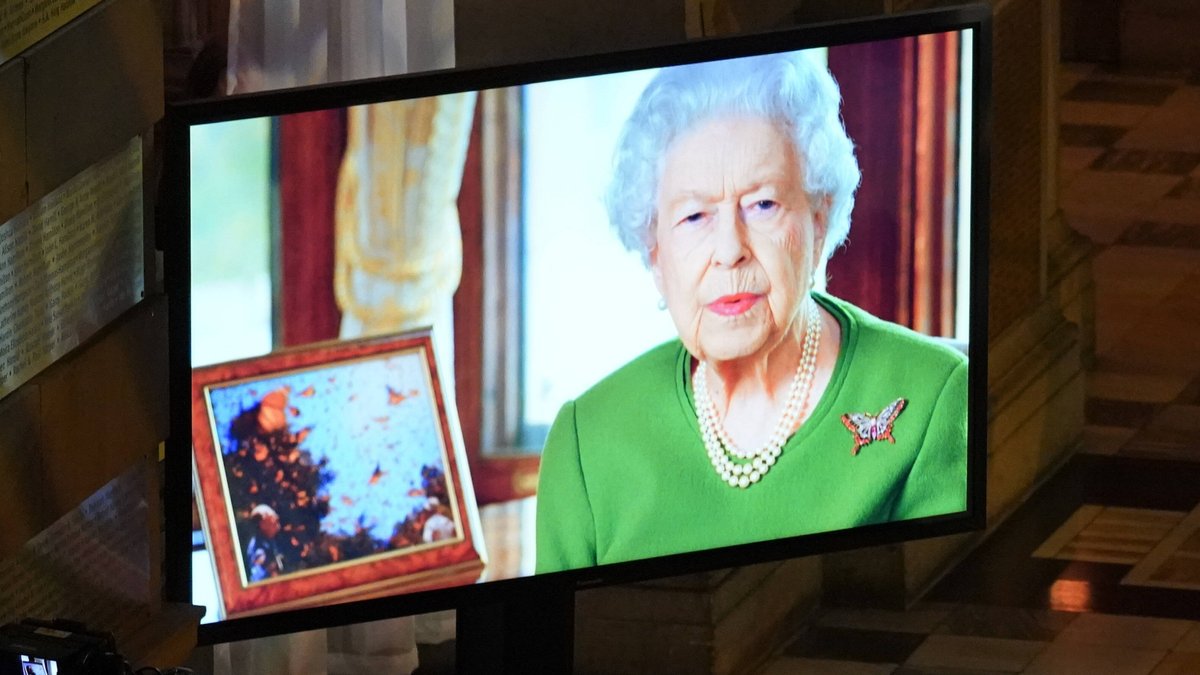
x,y
274,44
399,248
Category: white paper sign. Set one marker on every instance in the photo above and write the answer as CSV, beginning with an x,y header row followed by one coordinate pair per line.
x,y
70,264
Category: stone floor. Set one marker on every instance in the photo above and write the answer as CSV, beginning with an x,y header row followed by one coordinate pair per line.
x,y
1099,572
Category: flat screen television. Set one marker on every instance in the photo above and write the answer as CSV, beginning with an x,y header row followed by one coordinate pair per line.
x,y
443,339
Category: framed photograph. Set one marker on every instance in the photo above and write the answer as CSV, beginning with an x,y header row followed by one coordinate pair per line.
x,y
331,473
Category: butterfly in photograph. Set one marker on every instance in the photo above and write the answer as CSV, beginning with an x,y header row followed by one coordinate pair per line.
x,y
870,428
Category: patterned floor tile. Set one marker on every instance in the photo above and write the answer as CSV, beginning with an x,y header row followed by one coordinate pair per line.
x,y
843,644
1109,333
794,666
912,621
1120,268
1171,126
1188,189
1137,387
1074,160
1107,550
1167,326
1081,68
1174,433
1185,211
1129,72
975,653
1117,413
1100,227
1190,642
1089,135
1139,190
1014,623
913,670
1178,571
1070,528
1171,162
1163,339
1175,561
1071,74
1104,440
1185,297
1148,445
1120,92
1182,418
1178,664
1107,534
1126,631
1067,658
1190,395
1161,234
1126,115
1002,571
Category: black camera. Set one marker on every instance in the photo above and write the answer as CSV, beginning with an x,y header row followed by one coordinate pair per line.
x,y
57,648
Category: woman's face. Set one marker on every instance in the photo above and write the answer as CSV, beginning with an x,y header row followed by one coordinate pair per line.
x,y
737,237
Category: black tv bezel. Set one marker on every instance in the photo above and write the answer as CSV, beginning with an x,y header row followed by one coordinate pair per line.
x,y
174,239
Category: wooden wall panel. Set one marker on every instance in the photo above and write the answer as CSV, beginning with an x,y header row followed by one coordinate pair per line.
x,y
103,407
1016,222
91,87
491,32
66,103
22,499
12,140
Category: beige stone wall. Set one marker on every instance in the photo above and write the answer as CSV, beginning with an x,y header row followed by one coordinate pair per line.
x,y
90,88
84,92
721,622
496,32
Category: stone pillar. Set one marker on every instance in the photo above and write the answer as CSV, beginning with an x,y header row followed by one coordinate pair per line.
x,y
728,621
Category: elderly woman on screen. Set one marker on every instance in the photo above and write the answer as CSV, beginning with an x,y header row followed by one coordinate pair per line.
x,y
780,410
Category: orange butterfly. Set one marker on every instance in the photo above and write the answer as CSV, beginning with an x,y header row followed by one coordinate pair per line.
x,y
378,474
397,397
870,428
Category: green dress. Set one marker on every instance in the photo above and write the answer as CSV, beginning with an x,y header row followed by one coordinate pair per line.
x,y
625,474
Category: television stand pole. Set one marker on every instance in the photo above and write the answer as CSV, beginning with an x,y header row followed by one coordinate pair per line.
x,y
532,633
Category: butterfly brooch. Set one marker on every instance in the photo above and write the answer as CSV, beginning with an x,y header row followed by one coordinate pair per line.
x,y
870,428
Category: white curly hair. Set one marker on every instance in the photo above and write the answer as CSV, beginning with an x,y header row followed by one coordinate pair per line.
x,y
792,90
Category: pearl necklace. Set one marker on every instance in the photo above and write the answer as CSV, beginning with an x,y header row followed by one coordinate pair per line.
x,y
756,462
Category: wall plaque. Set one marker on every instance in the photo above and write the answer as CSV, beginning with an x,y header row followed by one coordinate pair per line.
x,y
70,264
24,22
92,565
